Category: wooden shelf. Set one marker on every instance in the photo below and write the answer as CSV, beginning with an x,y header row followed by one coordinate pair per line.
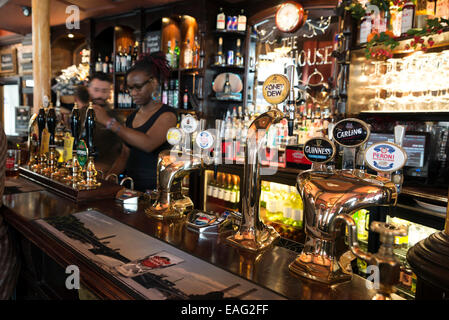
x,y
230,32
226,66
226,100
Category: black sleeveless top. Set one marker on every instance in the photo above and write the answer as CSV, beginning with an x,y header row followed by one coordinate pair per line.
x,y
141,165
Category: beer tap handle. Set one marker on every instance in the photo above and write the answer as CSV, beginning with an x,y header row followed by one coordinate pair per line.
x,y
51,124
397,177
389,265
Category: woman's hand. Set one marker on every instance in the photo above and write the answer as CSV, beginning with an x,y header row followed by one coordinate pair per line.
x,y
101,115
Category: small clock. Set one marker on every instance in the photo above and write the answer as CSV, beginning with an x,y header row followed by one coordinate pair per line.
x,y
290,16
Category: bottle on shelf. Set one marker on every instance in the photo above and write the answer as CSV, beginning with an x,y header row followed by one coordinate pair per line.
x,y
221,20
220,60
202,53
123,63
171,93
238,56
227,85
165,93
185,99
176,53
241,24
99,64
196,53
365,28
395,21
118,60
176,94
104,65
408,16
111,66
188,55
129,58
135,55
169,55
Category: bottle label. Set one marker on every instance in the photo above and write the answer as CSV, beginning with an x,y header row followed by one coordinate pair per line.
x,y
221,20
241,23
227,195
365,30
10,163
214,192
407,20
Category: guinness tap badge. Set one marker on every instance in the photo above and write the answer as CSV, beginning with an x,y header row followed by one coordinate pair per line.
x,y
276,89
319,150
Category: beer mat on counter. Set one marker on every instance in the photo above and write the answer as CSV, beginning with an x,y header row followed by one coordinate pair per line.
x,y
19,185
115,247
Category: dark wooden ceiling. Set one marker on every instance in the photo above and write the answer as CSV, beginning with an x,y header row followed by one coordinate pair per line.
x,y
12,18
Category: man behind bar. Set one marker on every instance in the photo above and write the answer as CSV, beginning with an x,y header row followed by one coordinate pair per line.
x,y
107,143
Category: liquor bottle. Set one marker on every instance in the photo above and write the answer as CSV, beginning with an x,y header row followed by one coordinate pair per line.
x,y
171,93
220,57
118,60
408,16
105,65
202,53
221,20
185,99
241,25
124,61
165,93
220,189
111,66
395,21
129,58
169,55
365,28
176,53
236,190
99,64
227,192
176,94
188,55
196,53
135,55
238,55
227,85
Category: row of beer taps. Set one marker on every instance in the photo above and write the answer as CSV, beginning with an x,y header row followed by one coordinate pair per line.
x,y
80,175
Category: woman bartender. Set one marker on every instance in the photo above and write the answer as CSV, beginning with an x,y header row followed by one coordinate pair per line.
x,y
144,135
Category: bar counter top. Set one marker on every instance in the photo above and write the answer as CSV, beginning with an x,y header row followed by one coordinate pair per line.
x,y
269,269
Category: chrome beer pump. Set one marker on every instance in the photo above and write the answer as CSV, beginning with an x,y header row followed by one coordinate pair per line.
x,y
253,235
331,196
173,165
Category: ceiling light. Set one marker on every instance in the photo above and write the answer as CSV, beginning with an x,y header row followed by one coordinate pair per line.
x,y
26,11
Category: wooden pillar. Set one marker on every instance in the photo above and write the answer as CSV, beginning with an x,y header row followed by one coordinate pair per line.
x,y
41,51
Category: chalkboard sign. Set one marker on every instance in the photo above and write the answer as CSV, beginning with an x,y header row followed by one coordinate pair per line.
x,y
153,41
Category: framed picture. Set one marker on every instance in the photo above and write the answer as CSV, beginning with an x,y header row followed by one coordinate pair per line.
x,y
8,62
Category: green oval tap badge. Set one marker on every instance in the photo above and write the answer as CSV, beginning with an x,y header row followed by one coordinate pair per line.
x,y
276,88
82,153
319,150
351,132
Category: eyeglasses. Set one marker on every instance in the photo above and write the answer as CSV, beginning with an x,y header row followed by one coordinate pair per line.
x,y
139,87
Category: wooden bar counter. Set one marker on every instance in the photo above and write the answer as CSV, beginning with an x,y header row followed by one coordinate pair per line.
x,y
269,270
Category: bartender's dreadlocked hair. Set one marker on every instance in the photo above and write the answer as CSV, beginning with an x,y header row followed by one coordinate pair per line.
x,y
154,64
